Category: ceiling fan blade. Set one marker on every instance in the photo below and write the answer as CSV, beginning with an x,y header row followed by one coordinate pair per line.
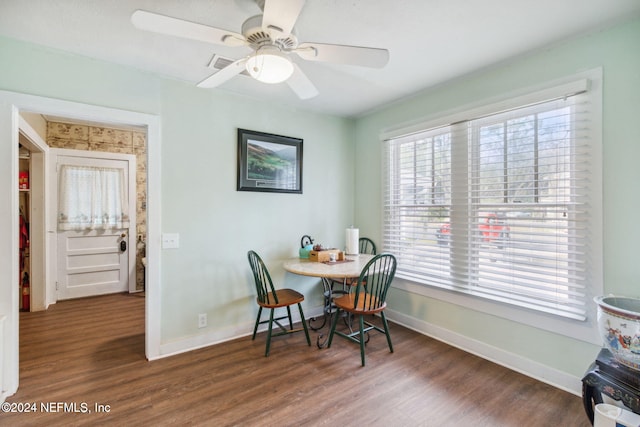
x,y
279,16
301,84
157,23
340,54
223,75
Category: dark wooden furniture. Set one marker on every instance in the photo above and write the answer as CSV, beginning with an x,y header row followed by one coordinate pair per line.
x,y
367,297
367,246
270,298
609,377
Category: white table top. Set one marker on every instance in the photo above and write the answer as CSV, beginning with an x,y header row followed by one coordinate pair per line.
x,y
339,270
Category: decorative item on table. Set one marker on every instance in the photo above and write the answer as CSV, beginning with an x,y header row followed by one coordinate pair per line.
x,y
352,246
619,324
322,254
306,246
23,180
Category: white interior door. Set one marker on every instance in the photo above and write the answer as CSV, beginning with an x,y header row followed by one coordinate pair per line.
x,y
98,260
91,264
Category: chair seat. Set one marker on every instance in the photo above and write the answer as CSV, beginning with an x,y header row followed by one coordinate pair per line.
x,y
285,298
346,303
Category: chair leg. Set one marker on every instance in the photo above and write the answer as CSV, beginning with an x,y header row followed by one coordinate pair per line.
x,y
289,315
333,326
362,338
304,324
255,328
386,330
266,353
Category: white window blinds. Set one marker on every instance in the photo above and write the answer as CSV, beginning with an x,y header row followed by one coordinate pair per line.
x,y
498,207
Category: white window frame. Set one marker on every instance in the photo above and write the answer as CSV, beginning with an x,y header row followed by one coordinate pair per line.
x,y
592,80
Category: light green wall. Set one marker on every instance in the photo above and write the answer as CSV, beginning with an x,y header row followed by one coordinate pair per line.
x,y
209,273
617,50
218,224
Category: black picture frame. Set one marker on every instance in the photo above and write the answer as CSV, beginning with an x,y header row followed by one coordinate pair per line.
x,y
269,163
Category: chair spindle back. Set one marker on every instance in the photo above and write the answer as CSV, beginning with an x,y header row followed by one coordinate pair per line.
x,y
264,284
367,246
374,281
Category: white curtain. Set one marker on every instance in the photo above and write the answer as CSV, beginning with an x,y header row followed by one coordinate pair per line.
x,y
92,198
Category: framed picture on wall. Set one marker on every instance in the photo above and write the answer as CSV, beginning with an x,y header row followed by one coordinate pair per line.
x,y
269,163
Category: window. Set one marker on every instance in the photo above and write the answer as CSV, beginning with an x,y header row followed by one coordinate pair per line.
x,y
92,198
501,203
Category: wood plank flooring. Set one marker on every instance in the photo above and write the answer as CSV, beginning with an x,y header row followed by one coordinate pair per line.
x,y
91,352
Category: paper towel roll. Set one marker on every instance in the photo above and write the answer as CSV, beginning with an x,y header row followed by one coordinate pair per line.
x,y
353,241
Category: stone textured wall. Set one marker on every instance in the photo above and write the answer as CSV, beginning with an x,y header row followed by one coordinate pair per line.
x,y
95,138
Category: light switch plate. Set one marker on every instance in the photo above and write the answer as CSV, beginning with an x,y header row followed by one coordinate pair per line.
x,y
170,241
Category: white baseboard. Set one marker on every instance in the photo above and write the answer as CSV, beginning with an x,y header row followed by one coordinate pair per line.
x,y
515,362
219,336
195,342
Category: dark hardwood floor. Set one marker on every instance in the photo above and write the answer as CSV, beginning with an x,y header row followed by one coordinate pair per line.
x,y
91,352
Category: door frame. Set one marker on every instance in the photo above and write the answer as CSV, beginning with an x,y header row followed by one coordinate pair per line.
x,y
11,105
39,238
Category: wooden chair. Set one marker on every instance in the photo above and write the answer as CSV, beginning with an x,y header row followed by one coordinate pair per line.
x,y
365,300
341,287
367,246
270,298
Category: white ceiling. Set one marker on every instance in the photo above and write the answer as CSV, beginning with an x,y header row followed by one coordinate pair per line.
x,y
430,41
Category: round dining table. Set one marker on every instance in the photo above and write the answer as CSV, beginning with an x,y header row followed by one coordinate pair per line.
x,y
348,268
330,272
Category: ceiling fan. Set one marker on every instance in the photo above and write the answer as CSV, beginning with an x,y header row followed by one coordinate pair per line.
x,y
272,39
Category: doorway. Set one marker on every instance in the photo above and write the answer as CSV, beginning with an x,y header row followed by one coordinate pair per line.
x,y
87,266
12,105
33,152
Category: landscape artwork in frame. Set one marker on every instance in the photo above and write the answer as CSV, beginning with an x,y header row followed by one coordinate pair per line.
x,y
269,163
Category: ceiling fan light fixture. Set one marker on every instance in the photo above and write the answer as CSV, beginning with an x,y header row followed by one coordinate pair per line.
x,y
269,65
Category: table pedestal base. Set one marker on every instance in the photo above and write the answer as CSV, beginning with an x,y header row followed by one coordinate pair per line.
x,y
329,308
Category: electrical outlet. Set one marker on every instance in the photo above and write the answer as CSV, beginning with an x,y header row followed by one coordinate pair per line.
x,y
202,320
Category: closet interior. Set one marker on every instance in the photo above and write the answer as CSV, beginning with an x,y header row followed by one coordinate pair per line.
x,y
24,238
